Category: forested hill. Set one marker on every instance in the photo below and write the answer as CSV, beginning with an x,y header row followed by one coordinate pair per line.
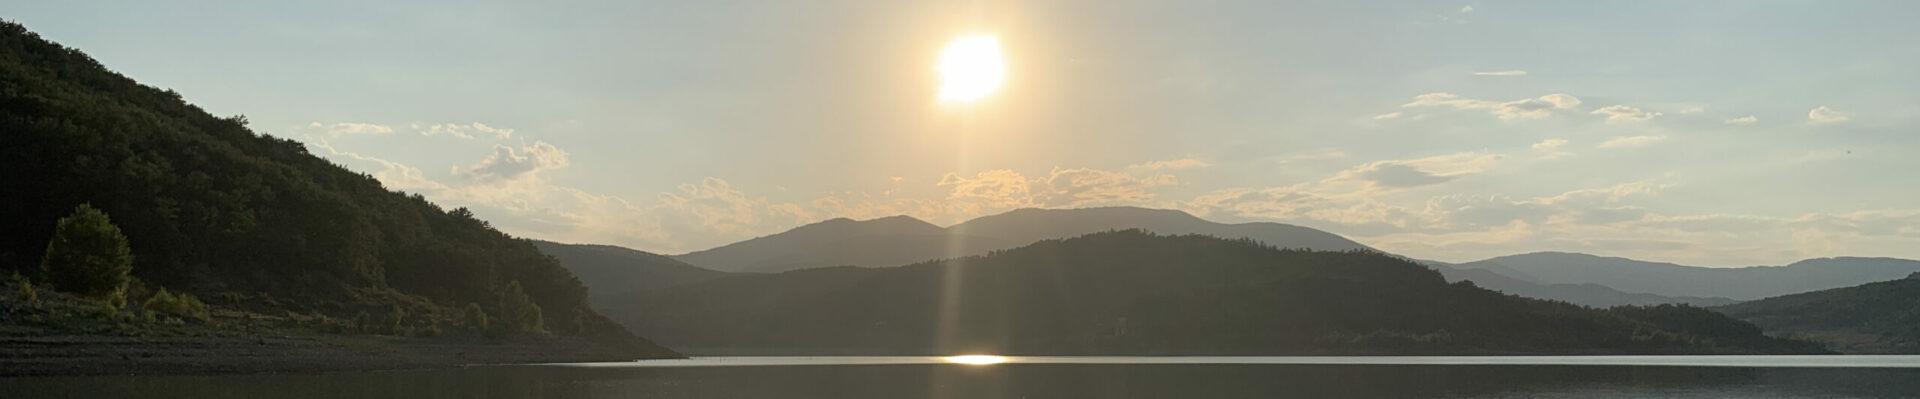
x,y
1131,292
1882,317
240,218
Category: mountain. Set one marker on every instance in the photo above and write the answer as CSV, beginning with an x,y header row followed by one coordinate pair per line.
x,y
1588,294
1025,226
885,241
1882,317
252,223
614,272
1741,283
1133,292
899,240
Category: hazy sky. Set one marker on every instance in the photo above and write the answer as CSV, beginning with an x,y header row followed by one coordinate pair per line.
x,y
1702,132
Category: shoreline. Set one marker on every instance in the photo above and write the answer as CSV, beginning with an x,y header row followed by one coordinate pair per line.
x,y
50,356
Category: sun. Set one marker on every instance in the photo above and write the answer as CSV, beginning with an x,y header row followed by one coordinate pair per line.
x,y
971,68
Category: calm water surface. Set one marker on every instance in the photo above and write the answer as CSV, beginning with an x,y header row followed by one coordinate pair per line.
x,y
1063,377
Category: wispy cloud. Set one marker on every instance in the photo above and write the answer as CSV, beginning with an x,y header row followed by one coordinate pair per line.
x,y
1531,108
1743,120
1631,141
1623,114
1514,72
1394,174
1823,115
1183,163
347,128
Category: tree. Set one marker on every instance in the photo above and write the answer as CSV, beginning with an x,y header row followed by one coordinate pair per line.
x,y
518,313
87,255
474,317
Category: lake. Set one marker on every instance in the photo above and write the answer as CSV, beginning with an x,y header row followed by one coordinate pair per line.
x,y
1060,377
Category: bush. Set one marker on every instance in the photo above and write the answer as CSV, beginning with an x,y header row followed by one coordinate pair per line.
x,y
24,292
363,322
184,305
107,311
474,318
395,318
111,305
87,255
432,330
117,299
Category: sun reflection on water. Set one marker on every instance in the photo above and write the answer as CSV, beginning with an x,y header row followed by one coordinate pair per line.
x,y
977,360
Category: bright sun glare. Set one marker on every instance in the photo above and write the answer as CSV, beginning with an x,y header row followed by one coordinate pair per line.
x,y
971,68
977,360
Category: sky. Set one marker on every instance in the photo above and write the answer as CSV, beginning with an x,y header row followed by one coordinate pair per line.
x,y
1714,133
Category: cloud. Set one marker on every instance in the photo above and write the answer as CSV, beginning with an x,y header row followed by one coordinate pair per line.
x,y
1323,154
1549,144
998,188
465,131
393,175
1631,141
1749,119
507,163
1692,109
1386,116
1400,175
1622,113
348,128
1082,186
715,205
1395,174
1532,108
1823,115
1466,9
1183,163
1003,189
1514,72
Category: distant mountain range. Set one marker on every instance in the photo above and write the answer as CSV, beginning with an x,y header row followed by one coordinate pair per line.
x,y
1881,317
611,272
898,240
1575,278
1588,294
1131,292
1667,279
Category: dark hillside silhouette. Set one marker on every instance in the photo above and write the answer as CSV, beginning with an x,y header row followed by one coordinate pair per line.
x,y
243,219
1131,292
612,272
1882,317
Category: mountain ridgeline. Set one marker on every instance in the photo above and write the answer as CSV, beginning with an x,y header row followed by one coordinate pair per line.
x,y
1738,283
1132,292
247,220
1588,294
612,272
899,240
